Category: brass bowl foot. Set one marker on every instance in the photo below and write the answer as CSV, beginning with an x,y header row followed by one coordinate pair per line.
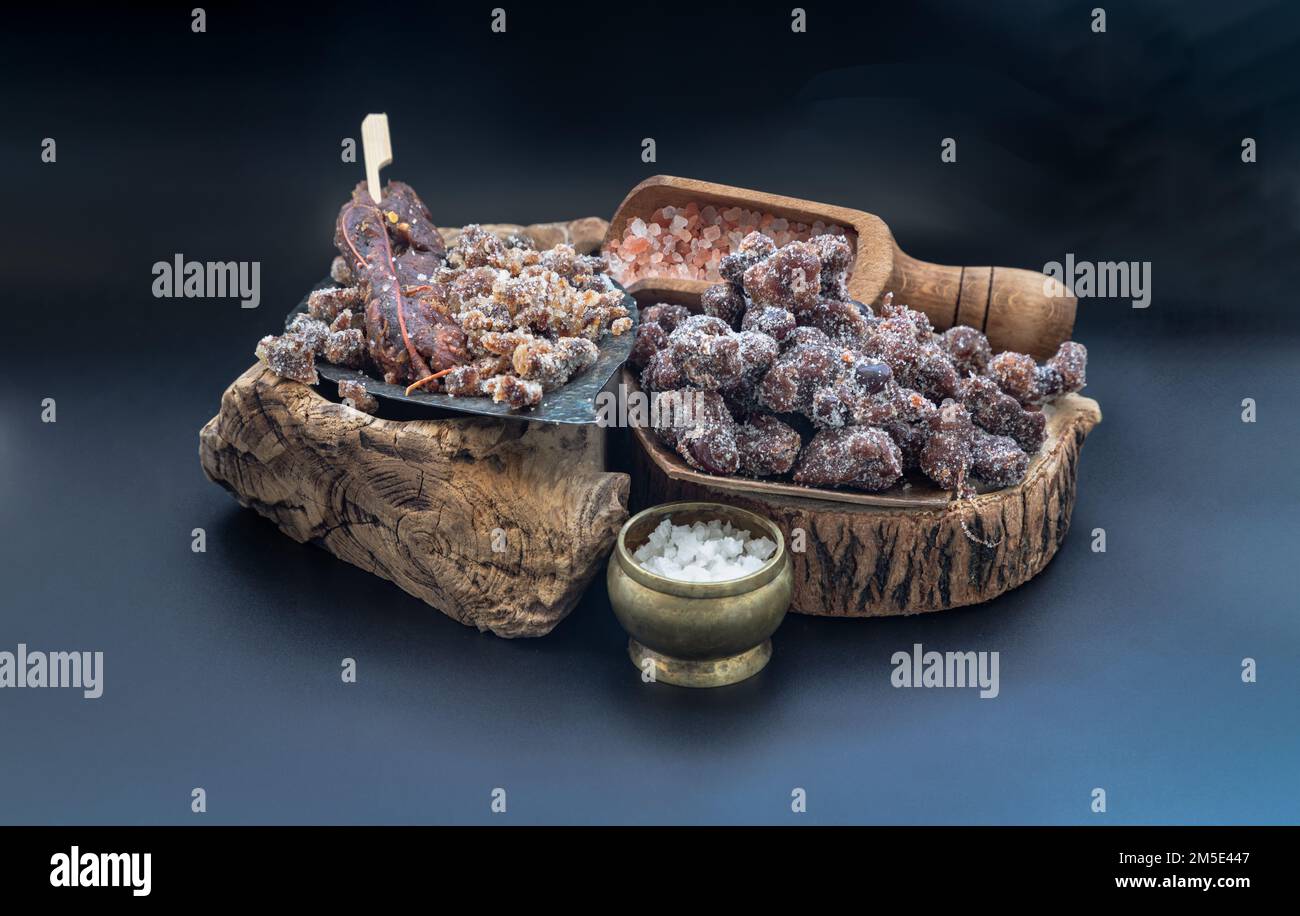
x,y
712,672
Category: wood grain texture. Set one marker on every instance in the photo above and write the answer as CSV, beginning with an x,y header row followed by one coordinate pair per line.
x,y
417,502
883,560
1012,306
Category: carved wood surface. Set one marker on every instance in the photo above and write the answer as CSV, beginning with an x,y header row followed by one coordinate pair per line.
x,y
498,524
864,560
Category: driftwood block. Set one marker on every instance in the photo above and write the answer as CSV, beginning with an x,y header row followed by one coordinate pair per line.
x,y
498,524
862,560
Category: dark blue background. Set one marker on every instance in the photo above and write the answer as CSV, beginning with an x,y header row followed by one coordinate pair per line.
x,y
1119,670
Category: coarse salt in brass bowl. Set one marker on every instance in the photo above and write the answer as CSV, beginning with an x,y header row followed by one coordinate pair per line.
x,y
699,634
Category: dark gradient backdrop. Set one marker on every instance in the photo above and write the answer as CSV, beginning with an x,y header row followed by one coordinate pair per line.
x,y
1119,670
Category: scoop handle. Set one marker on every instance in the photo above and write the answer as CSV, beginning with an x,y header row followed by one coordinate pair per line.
x,y
1021,310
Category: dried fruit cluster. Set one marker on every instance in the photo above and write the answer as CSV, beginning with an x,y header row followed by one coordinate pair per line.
x,y
489,317
793,377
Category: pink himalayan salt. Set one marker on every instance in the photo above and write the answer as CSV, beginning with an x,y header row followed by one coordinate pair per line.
x,y
689,242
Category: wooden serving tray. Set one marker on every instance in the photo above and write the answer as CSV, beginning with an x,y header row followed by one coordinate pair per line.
x,y
900,551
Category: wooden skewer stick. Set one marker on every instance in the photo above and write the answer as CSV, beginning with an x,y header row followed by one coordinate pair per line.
x,y
378,150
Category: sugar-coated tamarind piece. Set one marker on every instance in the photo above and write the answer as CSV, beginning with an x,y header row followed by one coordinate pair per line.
x,y
722,301
910,439
288,357
709,443
1002,415
935,376
804,335
857,456
799,371
997,460
771,320
969,349
326,304
791,278
662,372
666,315
753,248
345,348
705,324
767,446
843,322
513,391
836,255
313,331
1071,363
552,363
1017,375
347,319
946,455
650,339
709,361
900,314
352,393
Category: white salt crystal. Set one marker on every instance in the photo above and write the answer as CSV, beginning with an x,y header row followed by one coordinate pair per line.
x,y
702,552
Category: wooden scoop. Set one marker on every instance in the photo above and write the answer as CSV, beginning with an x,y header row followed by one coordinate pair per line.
x,y
1010,305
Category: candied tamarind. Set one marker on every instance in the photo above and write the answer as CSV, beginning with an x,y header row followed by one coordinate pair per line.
x,y
325,304
353,394
997,460
708,443
857,456
766,446
752,249
910,439
771,320
797,374
288,357
805,336
1071,364
946,456
897,346
650,339
709,361
347,319
313,331
935,376
345,348
515,392
722,301
1002,415
704,324
836,255
476,247
662,372
552,363
1017,375
968,348
791,278
666,315
842,322
900,316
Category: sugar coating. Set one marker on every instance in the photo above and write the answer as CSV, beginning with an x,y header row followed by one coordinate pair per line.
x,y
871,396
713,551
353,394
289,357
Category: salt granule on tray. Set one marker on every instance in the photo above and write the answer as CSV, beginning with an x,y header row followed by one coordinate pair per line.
x,y
703,552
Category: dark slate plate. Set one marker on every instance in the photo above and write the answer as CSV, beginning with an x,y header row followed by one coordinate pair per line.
x,y
573,403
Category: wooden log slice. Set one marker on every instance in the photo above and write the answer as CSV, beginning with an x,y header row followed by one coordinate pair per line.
x,y
498,524
898,555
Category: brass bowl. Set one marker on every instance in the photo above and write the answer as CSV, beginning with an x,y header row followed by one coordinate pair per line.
x,y
699,634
